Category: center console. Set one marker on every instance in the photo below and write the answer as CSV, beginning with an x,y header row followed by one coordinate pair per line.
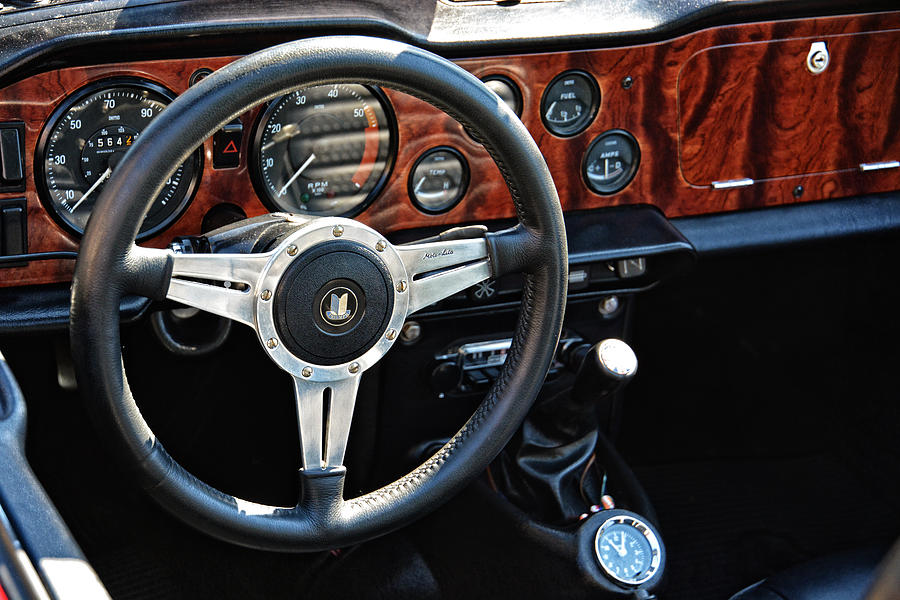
x,y
561,477
562,469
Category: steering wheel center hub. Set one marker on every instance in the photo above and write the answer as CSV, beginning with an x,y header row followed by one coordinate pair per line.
x,y
334,302
334,299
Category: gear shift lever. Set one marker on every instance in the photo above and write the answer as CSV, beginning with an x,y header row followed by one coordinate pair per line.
x,y
603,369
543,467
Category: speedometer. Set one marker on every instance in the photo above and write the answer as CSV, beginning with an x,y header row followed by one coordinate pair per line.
x,y
323,150
86,138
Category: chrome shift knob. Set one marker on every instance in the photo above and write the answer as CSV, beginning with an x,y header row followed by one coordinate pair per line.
x,y
605,369
615,358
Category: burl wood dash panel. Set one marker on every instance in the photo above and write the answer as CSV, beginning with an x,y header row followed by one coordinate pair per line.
x,y
794,121
695,116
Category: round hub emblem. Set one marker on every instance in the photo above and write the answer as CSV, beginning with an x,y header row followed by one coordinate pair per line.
x,y
338,306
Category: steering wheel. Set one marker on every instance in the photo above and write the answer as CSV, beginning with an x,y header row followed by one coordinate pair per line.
x,y
295,294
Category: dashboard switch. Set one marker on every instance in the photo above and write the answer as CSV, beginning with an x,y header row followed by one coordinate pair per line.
x,y
13,219
227,146
631,267
12,177
484,291
578,278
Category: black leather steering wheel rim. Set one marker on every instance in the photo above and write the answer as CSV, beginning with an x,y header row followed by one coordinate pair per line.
x,y
109,265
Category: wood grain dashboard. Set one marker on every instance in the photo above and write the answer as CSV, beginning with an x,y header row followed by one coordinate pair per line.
x,y
723,104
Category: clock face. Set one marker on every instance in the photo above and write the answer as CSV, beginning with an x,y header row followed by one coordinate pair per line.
x,y
625,550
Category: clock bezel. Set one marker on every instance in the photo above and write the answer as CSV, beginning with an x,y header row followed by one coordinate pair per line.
x,y
648,533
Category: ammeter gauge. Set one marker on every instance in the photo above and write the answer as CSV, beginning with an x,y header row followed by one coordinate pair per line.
x,y
611,161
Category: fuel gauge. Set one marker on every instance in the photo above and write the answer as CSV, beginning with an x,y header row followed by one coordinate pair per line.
x,y
570,103
611,161
438,180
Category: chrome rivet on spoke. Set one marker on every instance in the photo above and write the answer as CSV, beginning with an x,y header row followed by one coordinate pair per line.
x,y
266,295
306,372
401,287
338,231
354,367
380,245
391,334
271,343
292,250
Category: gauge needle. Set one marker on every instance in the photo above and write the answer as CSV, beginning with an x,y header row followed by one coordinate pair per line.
x,y
302,168
620,550
550,110
91,189
419,185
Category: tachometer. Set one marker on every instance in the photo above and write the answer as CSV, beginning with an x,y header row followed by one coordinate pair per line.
x,y
323,150
86,138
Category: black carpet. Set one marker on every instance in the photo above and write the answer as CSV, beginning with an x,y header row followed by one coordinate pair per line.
x,y
728,524
764,420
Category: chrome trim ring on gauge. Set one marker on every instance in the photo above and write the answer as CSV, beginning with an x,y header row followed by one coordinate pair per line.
x,y
642,529
85,137
324,150
438,180
611,162
507,89
570,103
320,231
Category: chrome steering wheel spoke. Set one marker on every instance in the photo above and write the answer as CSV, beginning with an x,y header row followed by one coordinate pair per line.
x,y
437,270
324,414
222,284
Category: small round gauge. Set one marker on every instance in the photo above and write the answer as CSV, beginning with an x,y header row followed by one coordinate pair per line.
x,y
86,138
438,180
611,161
570,103
507,90
627,549
323,150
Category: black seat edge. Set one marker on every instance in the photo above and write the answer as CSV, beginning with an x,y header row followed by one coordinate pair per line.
x,y
846,575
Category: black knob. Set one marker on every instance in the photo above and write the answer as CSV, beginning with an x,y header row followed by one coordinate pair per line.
x,y
445,377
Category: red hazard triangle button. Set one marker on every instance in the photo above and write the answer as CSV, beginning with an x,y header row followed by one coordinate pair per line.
x,y
227,146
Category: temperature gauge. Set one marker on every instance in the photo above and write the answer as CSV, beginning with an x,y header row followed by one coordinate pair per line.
x,y
438,180
611,161
570,103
